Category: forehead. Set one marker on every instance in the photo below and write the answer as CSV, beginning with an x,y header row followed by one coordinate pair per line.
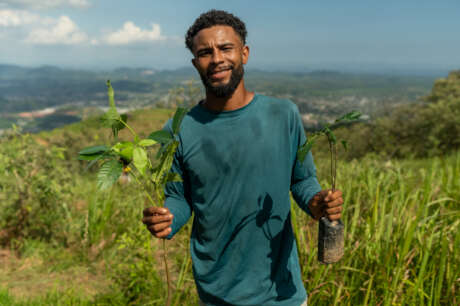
x,y
215,35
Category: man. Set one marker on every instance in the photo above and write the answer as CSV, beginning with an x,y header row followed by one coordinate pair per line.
x,y
237,158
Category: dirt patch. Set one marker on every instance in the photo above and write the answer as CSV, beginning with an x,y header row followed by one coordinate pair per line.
x,y
32,277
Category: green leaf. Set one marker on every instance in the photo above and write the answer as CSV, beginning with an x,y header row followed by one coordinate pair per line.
x,y
94,150
127,154
110,94
173,177
161,136
140,159
177,119
108,174
111,118
147,142
351,116
164,147
330,135
344,144
117,125
98,157
89,157
124,149
304,149
121,145
165,164
112,114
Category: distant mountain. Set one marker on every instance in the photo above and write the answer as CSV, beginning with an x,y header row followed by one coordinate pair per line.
x,y
12,72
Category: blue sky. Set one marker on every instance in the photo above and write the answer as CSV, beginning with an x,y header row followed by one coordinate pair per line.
x,y
361,35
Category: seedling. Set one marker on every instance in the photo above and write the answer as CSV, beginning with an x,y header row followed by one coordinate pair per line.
x,y
131,157
330,234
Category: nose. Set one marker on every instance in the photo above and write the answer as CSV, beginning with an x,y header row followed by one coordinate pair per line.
x,y
216,56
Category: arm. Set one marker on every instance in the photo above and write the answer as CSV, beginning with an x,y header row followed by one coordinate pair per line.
x,y
304,184
176,201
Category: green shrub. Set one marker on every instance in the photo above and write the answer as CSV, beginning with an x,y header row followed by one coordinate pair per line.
x,y
33,188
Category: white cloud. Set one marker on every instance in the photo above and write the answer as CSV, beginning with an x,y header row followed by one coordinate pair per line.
x,y
63,31
15,18
130,33
29,27
46,4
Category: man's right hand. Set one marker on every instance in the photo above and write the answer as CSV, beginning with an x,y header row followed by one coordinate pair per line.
x,y
158,221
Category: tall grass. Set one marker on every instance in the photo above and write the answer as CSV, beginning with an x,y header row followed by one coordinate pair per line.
x,y
401,242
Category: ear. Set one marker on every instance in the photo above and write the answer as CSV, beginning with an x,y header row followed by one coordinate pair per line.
x,y
194,63
245,54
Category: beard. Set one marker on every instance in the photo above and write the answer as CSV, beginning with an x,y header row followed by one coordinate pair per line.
x,y
226,90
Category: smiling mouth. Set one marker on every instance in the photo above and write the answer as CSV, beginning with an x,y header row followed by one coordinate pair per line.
x,y
217,74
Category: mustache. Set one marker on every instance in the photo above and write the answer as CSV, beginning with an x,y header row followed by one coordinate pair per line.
x,y
212,70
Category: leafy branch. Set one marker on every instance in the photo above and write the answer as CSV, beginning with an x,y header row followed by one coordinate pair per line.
x,y
332,140
131,157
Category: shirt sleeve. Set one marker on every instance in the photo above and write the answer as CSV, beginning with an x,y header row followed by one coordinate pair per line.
x,y
175,198
304,184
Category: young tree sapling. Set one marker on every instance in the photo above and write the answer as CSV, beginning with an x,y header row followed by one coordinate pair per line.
x,y
330,234
131,157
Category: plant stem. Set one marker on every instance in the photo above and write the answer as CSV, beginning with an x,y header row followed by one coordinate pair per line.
x,y
335,168
129,128
168,280
143,188
332,164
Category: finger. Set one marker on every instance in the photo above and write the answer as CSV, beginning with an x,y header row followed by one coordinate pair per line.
x,y
334,217
148,211
158,227
323,193
334,203
333,195
163,233
157,219
152,210
318,197
333,211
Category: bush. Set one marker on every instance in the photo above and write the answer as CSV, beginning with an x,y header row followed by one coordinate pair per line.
x,y
33,186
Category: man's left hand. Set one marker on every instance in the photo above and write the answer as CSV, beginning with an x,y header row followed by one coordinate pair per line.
x,y
326,204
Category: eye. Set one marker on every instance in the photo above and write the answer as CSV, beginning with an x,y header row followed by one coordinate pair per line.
x,y
204,53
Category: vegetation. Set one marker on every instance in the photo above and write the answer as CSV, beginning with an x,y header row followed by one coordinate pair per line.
x,y
64,242
117,160
416,130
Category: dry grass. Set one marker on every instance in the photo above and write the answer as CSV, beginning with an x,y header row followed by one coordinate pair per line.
x,y
31,277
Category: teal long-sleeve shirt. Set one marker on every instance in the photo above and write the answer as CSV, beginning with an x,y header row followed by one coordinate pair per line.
x,y
237,169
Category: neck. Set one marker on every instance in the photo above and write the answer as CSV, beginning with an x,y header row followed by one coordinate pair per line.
x,y
240,98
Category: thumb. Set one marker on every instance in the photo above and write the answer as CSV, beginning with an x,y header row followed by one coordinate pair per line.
x,y
323,194
318,197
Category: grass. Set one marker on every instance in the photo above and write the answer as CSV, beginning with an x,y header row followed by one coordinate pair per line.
x,y
401,221
401,235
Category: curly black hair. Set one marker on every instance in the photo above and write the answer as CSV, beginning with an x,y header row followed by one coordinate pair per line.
x,y
212,18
